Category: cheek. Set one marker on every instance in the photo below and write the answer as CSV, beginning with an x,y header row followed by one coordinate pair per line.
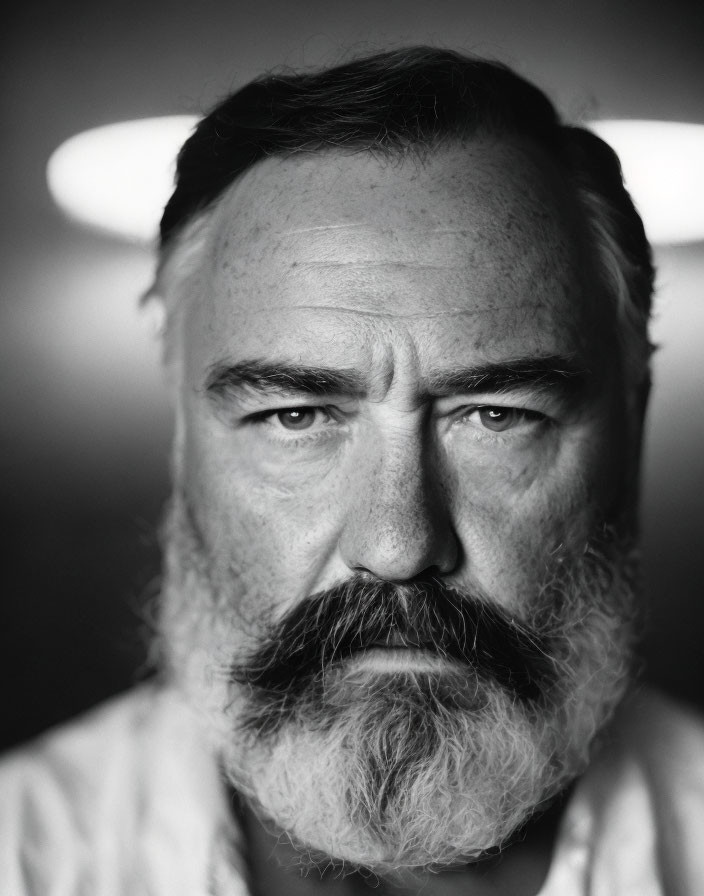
x,y
513,519
270,541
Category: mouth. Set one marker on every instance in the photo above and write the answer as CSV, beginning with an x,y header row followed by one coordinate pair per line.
x,y
387,657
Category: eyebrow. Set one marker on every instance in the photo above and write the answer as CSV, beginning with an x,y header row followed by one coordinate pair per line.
x,y
282,377
558,374
552,374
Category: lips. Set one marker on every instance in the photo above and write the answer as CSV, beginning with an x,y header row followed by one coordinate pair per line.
x,y
396,641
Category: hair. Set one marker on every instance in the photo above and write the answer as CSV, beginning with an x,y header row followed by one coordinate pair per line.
x,y
405,101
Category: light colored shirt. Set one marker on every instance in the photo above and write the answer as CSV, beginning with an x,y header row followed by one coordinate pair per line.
x,y
127,801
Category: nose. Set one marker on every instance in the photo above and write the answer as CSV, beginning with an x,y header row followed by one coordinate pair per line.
x,y
398,524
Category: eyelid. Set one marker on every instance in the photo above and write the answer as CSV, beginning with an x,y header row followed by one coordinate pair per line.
x,y
283,408
277,399
528,412
526,419
539,403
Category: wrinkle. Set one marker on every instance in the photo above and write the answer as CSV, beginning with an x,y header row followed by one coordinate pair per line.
x,y
323,227
365,265
469,313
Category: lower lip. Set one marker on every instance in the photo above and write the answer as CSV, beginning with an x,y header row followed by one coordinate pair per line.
x,y
394,658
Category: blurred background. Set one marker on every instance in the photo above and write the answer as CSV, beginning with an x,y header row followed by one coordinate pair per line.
x,y
85,423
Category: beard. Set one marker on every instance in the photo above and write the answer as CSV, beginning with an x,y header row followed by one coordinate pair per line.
x,y
390,768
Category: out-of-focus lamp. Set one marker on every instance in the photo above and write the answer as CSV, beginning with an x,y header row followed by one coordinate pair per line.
x,y
663,168
117,178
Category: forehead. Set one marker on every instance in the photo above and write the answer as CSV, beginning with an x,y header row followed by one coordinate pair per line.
x,y
479,244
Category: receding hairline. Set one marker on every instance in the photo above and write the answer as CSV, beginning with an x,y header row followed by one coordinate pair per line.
x,y
199,232
396,100
427,96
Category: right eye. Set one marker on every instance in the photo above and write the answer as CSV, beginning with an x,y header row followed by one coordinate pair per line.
x,y
296,418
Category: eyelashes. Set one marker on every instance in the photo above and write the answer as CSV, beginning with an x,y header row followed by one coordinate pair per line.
x,y
499,419
314,420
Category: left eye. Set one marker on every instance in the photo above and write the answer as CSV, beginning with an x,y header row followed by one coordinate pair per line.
x,y
498,419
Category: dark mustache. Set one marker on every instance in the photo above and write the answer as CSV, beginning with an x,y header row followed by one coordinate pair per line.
x,y
331,626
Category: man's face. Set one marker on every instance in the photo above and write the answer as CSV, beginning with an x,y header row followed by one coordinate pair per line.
x,y
391,372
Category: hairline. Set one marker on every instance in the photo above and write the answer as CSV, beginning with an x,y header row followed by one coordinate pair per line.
x,y
181,259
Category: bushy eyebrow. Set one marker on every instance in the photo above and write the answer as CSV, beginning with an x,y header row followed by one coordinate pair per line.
x,y
549,374
283,377
555,374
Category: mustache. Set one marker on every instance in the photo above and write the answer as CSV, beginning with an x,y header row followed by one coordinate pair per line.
x,y
331,626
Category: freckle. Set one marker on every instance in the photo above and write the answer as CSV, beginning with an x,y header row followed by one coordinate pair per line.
x,y
294,264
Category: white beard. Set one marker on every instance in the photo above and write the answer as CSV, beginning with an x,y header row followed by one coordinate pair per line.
x,y
394,770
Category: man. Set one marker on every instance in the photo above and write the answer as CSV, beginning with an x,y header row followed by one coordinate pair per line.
x,y
406,335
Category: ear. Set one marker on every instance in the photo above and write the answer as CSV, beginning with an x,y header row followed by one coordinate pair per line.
x,y
154,315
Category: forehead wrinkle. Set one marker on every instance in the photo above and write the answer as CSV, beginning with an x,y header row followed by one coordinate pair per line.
x,y
365,265
390,316
368,244
382,249
505,283
345,225
323,227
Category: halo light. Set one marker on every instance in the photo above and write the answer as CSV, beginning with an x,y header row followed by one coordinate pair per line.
x,y
663,169
117,178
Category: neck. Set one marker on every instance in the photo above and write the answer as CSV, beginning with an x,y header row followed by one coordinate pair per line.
x,y
517,870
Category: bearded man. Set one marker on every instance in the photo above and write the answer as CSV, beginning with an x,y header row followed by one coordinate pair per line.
x,y
406,334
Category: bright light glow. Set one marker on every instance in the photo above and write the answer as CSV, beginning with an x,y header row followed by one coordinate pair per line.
x,y
118,178
663,168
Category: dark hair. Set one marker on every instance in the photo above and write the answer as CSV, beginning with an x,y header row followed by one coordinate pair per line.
x,y
410,100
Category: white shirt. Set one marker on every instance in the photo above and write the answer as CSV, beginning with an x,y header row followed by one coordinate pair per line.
x,y
126,801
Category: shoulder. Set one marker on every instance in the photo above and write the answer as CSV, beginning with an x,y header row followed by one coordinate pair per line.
x,y
73,759
635,822
664,740
661,740
79,803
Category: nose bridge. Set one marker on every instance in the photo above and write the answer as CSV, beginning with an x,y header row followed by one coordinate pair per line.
x,y
398,524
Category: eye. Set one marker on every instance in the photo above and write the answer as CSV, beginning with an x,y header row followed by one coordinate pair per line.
x,y
499,419
297,418
299,421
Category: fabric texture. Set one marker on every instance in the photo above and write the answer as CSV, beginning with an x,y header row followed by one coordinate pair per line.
x,y
126,801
